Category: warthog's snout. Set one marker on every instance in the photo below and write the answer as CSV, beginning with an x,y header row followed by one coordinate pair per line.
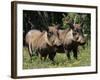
x,y
81,40
57,42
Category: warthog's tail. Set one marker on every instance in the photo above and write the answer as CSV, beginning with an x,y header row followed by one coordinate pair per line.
x,y
30,49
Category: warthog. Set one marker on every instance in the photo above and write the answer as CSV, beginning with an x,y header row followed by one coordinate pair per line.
x,y
42,43
71,38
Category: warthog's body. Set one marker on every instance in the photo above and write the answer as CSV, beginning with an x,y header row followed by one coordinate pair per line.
x,y
42,43
70,38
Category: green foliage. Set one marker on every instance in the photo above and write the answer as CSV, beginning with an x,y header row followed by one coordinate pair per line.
x,y
84,59
78,18
38,19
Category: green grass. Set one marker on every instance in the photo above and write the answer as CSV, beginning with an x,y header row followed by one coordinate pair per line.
x,y
84,59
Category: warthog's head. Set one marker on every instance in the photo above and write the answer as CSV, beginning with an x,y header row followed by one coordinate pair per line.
x,y
54,36
77,33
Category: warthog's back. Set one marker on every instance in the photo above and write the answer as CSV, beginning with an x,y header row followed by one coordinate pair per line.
x,y
37,39
65,36
32,35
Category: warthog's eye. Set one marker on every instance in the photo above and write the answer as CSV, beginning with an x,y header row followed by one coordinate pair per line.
x,y
78,30
50,34
74,33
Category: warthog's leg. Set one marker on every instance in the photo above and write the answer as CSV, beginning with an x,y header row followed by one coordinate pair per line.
x,y
30,51
68,54
43,58
43,55
52,56
75,51
67,51
37,53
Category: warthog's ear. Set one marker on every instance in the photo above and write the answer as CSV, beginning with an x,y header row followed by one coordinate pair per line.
x,y
49,34
46,29
58,26
71,25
